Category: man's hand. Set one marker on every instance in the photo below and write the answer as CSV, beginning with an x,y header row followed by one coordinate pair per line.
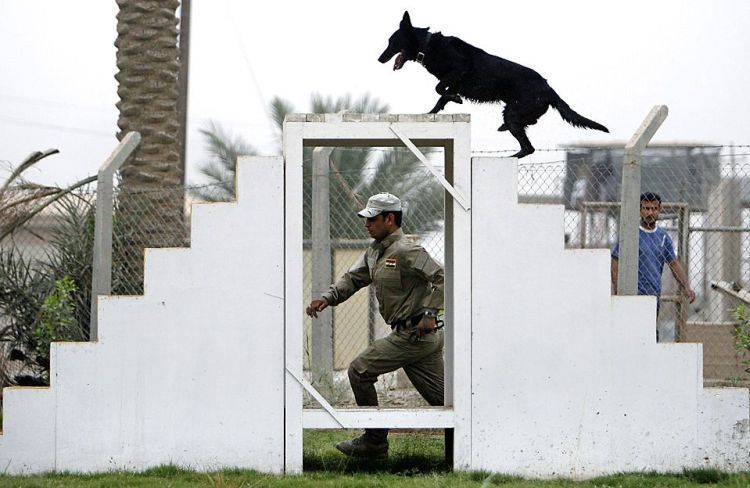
x,y
425,326
316,306
682,280
689,293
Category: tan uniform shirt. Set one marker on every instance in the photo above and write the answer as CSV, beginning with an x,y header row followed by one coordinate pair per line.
x,y
407,280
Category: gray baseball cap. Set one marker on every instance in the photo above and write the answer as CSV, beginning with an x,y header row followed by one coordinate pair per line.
x,y
382,202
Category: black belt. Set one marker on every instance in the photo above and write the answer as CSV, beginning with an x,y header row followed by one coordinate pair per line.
x,y
404,323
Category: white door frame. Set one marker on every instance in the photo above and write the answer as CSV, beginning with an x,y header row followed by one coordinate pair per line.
x,y
451,132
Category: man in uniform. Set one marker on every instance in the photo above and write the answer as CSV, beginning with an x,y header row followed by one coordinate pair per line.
x,y
409,287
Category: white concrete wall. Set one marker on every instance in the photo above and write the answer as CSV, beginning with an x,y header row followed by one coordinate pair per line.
x,y
191,373
566,380
28,441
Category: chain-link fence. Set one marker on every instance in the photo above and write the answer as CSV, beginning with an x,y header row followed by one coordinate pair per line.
x,y
706,201
46,265
335,189
705,193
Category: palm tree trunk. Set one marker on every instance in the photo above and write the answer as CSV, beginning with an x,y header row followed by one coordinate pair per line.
x,y
151,199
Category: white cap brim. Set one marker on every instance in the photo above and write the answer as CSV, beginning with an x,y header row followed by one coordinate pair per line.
x,y
369,213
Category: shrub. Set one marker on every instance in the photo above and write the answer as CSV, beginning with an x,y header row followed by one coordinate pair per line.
x,y
742,331
48,299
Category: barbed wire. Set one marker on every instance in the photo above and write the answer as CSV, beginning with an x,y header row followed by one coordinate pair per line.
x,y
573,147
542,163
551,149
373,167
522,166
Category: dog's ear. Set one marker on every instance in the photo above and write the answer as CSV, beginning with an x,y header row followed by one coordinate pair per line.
x,y
406,21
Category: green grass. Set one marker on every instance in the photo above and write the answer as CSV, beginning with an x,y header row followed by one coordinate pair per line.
x,y
415,461
409,453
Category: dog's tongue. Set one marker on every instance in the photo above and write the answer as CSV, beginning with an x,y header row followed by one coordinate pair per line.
x,y
400,60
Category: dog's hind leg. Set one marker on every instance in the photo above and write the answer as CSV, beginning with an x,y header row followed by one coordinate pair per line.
x,y
516,117
519,132
504,126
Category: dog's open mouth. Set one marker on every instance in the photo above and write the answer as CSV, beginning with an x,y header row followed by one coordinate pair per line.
x,y
400,60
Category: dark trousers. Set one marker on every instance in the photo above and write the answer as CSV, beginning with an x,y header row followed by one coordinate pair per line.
x,y
422,360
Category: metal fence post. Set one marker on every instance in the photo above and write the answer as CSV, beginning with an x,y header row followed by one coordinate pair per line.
x,y
683,235
724,261
101,281
321,357
627,278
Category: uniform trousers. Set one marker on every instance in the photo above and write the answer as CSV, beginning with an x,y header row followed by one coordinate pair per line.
x,y
421,358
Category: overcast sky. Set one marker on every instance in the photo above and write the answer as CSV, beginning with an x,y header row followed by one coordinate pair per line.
x,y
610,60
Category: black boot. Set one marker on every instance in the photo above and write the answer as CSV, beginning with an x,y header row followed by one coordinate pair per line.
x,y
365,446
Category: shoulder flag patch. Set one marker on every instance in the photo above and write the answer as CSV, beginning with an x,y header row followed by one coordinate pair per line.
x,y
391,263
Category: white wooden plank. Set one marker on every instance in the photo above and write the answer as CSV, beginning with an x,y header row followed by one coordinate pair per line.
x,y
448,187
371,418
318,397
380,130
293,306
457,413
459,295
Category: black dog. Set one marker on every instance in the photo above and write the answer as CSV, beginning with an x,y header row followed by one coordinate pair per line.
x,y
469,72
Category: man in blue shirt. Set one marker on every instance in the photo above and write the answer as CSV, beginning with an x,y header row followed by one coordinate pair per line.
x,y
654,250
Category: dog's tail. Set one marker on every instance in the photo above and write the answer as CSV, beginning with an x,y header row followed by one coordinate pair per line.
x,y
572,117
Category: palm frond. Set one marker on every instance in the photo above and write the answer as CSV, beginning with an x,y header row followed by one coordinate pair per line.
x,y
399,172
39,204
280,108
27,163
320,104
224,149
